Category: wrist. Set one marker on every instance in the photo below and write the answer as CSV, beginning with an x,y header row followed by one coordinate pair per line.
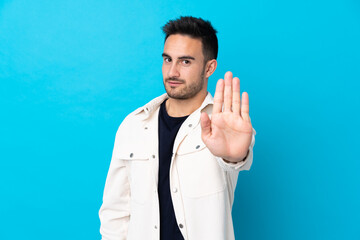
x,y
237,160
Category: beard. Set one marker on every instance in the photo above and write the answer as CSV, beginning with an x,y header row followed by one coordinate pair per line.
x,y
184,91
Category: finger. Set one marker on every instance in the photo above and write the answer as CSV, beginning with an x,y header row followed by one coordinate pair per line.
x,y
219,96
236,95
245,107
227,92
205,123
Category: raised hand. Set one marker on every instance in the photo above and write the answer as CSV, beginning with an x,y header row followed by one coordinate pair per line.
x,y
228,134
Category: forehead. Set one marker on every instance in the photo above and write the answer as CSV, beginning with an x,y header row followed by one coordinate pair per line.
x,y
178,45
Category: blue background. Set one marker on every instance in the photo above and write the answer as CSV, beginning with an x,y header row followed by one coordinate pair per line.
x,y
70,71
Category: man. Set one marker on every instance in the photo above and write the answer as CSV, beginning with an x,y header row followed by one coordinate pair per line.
x,y
176,160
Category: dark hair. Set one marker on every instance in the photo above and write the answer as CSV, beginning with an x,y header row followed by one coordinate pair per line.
x,y
195,28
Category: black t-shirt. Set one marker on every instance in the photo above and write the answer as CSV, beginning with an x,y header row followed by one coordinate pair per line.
x,y
168,128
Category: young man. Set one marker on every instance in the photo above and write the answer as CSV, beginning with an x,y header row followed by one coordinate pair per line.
x,y
176,160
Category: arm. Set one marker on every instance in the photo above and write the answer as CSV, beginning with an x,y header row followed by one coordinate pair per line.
x,y
115,211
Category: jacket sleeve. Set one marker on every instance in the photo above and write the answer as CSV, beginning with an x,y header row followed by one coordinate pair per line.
x,y
232,169
115,210
239,166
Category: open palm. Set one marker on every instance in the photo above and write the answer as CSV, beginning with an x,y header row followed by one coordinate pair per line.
x,y
228,134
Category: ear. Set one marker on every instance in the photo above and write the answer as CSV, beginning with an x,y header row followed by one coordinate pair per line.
x,y
210,67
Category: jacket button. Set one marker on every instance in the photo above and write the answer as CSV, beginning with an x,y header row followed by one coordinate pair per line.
x,y
190,125
153,156
146,128
174,189
198,146
131,155
180,225
155,227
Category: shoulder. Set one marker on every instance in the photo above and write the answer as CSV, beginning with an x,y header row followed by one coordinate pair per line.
x,y
139,116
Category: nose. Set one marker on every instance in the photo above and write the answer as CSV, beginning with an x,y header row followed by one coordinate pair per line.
x,y
173,71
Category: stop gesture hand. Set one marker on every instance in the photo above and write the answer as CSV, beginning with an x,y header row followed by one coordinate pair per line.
x,y
228,134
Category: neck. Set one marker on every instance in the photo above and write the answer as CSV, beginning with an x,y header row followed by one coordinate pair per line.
x,y
184,107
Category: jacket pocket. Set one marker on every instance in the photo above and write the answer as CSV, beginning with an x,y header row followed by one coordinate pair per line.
x,y
199,172
139,174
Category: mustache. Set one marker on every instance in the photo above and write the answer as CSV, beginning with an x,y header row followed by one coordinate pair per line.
x,y
175,80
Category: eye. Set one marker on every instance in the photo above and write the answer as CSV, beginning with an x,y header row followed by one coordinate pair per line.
x,y
167,59
185,62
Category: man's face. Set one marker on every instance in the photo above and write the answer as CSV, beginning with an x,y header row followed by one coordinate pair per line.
x,y
183,67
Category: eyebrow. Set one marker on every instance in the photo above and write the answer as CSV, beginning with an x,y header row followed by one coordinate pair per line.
x,y
181,58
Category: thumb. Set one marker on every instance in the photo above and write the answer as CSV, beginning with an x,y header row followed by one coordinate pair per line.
x,y
205,123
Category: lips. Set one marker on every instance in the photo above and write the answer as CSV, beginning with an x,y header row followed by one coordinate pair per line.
x,y
173,83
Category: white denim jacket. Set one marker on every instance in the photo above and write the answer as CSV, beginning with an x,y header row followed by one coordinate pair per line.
x,y
202,185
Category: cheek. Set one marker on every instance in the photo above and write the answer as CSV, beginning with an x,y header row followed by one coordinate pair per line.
x,y
188,71
164,69
194,72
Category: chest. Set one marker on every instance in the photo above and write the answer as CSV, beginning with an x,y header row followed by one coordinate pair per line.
x,y
193,170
